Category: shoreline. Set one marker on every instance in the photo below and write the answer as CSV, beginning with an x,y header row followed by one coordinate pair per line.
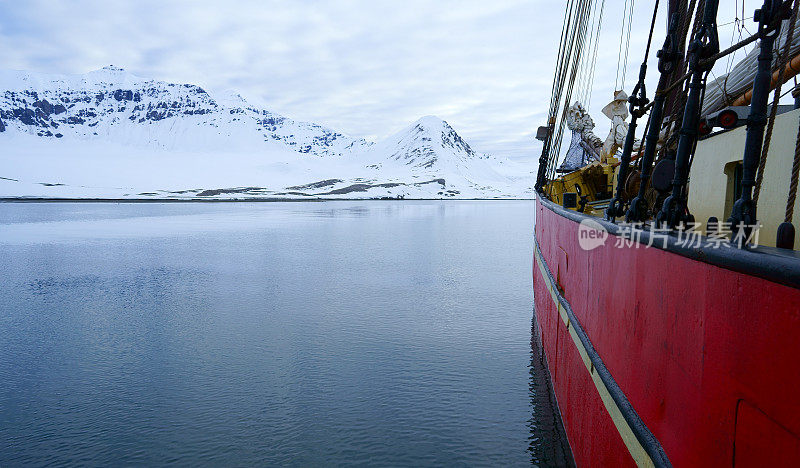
x,y
233,200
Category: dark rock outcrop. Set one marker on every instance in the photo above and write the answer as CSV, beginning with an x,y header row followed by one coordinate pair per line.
x,y
111,97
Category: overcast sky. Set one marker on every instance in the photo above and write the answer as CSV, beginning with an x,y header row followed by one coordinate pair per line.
x,y
366,68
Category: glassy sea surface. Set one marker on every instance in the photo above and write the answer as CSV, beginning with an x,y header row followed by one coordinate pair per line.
x,y
298,333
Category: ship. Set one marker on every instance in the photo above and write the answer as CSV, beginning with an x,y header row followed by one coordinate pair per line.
x,y
666,269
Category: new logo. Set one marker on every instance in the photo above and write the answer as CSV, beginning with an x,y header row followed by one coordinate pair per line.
x,y
591,234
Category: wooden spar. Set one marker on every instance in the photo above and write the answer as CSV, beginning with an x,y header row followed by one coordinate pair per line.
x,y
791,70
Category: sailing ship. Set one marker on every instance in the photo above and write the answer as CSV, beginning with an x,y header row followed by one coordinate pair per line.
x,y
666,271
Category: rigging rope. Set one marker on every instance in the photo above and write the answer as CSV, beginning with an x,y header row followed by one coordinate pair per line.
x,y
793,180
594,54
586,73
677,101
714,57
567,99
650,35
784,59
619,80
627,44
569,59
737,27
574,64
619,49
581,88
644,64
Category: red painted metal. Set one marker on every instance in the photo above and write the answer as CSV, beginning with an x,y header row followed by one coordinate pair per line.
x,y
708,357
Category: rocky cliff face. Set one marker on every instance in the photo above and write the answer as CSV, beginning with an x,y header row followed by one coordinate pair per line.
x,y
111,103
427,143
111,134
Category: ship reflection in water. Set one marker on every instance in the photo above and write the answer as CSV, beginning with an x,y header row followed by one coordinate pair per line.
x,y
548,441
384,333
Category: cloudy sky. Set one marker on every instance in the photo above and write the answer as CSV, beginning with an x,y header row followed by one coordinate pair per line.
x,y
367,68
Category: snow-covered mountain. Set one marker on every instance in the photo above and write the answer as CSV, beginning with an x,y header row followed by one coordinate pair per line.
x,y
111,134
427,143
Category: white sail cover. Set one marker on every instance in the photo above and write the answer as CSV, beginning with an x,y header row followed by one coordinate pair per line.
x,y
584,146
721,92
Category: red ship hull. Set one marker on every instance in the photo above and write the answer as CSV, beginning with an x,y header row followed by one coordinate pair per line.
x,y
658,358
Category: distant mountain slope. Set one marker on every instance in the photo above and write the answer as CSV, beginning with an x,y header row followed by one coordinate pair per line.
x,y
111,134
427,143
113,104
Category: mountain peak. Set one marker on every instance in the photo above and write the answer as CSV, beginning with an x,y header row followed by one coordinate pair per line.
x,y
230,98
113,75
115,105
427,143
197,140
431,122
109,70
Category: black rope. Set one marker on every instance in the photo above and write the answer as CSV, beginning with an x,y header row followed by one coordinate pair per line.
x,y
637,100
555,96
619,50
594,54
716,57
650,36
627,45
571,50
783,61
588,63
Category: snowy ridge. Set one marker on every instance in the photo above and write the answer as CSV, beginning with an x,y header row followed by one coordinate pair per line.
x,y
116,105
112,134
424,142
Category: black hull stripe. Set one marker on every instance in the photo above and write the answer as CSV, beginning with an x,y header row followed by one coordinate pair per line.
x,y
642,444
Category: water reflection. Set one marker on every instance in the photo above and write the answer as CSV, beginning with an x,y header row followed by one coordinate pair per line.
x,y
379,333
547,442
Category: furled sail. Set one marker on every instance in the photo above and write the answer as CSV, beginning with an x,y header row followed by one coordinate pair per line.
x,y
722,92
585,145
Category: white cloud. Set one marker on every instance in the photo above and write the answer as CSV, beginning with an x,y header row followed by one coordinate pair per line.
x,y
367,68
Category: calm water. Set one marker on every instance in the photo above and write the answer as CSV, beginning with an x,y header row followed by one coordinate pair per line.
x,y
383,333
